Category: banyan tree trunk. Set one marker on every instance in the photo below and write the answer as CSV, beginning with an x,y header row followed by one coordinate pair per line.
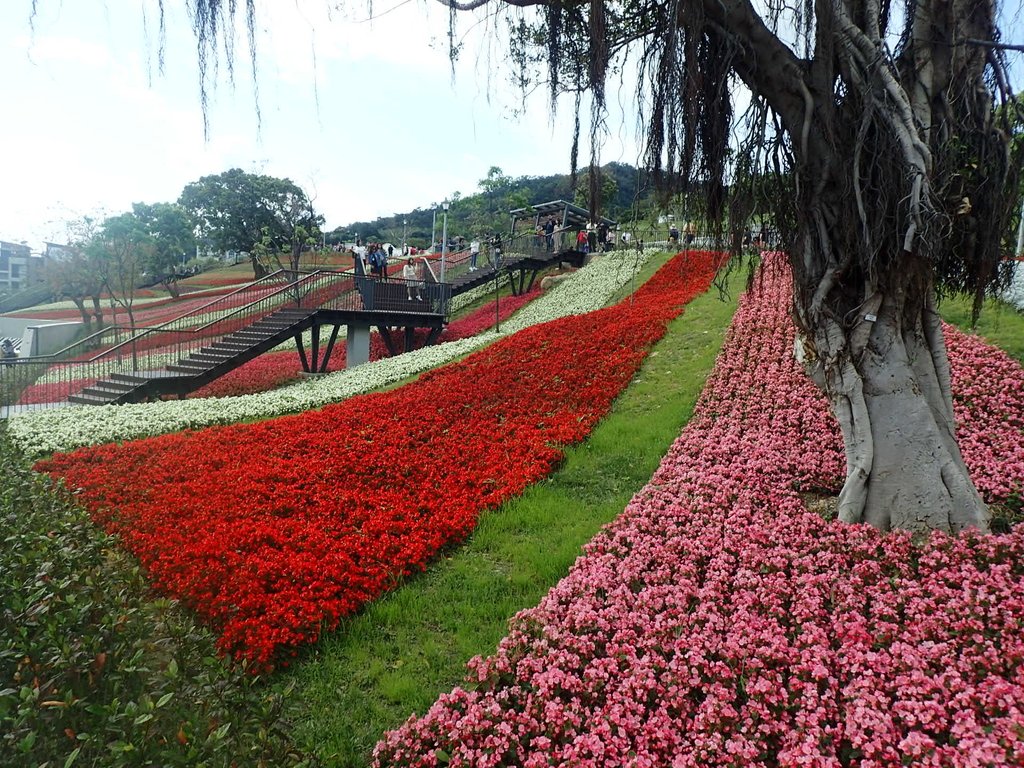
x,y
889,386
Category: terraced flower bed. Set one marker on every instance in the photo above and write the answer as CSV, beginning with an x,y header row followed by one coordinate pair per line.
x,y
39,433
273,531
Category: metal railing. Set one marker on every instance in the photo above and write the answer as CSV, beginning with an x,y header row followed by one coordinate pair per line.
x,y
391,294
46,380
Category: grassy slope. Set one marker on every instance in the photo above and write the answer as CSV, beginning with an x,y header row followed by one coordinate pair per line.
x,y
999,324
396,657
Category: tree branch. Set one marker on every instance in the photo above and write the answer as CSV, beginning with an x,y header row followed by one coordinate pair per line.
x,y
993,44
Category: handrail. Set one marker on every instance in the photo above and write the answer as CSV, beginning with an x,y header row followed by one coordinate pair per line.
x,y
195,329
247,287
63,355
430,269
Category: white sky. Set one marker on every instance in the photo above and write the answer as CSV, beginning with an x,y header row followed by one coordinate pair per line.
x,y
364,116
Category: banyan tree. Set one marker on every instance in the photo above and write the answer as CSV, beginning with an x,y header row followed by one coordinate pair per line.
x,y
882,132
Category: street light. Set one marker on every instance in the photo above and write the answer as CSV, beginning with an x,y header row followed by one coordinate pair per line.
x,y
404,241
444,237
1020,233
433,230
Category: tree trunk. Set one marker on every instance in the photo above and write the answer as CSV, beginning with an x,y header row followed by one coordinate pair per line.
x,y
86,317
258,270
97,310
172,287
890,391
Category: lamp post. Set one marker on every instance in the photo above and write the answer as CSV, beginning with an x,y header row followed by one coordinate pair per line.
x,y
1020,233
444,237
433,230
405,223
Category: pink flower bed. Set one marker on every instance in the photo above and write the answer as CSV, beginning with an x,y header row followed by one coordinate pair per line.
x,y
988,400
717,622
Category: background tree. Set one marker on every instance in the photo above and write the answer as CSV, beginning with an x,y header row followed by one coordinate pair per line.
x,y
171,233
78,277
607,188
121,249
236,211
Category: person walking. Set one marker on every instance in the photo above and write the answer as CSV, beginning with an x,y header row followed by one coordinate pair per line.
x,y
412,281
582,243
549,233
496,250
474,253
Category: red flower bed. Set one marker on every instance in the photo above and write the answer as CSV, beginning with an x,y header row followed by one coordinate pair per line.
x,y
145,314
202,280
274,531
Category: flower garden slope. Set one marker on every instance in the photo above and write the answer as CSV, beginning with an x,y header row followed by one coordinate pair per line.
x,y
718,622
39,433
273,531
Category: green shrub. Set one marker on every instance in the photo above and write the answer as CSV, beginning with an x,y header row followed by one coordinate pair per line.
x,y
96,672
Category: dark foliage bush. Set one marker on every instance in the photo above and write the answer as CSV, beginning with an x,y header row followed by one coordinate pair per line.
x,y
95,671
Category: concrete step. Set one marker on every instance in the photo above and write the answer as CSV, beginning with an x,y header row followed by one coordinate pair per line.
x,y
208,359
127,378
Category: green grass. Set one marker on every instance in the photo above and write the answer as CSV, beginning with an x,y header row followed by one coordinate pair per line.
x,y
999,323
408,647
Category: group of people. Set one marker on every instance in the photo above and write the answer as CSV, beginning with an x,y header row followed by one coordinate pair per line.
x,y
545,234
594,238
375,258
494,242
691,234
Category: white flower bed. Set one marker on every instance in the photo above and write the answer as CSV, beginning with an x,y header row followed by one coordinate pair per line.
x,y
1014,294
43,432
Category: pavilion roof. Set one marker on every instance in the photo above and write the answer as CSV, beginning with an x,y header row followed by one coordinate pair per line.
x,y
570,215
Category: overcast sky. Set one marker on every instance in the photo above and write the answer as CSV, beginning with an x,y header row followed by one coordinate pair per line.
x,y
363,115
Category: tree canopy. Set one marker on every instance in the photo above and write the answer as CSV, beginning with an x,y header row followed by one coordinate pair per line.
x,y
250,213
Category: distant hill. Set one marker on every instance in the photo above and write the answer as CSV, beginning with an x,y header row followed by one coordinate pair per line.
x,y
623,188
